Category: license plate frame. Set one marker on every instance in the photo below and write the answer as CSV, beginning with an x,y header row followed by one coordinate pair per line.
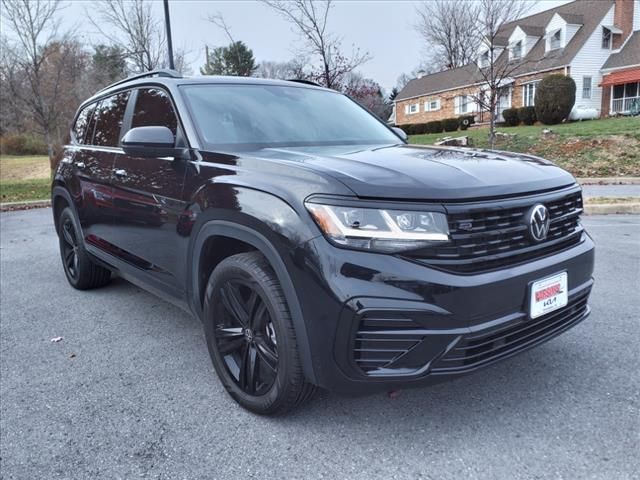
x,y
548,294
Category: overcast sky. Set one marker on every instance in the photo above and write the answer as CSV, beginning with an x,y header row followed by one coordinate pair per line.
x,y
384,28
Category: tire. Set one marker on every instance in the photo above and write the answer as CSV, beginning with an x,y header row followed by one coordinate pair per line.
x,y
81,272
250,336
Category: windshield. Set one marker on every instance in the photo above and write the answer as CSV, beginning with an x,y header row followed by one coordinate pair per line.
x,y
257,116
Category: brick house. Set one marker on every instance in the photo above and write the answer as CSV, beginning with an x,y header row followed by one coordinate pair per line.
x,y
596,42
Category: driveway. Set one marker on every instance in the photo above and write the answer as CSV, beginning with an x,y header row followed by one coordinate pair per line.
x,y
130,392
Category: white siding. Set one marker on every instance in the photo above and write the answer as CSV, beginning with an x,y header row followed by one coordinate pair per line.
x,y
588,62
636,15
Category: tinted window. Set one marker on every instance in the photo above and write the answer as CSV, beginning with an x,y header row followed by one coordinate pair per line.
x,y
153,108
80,127
110,113
249,116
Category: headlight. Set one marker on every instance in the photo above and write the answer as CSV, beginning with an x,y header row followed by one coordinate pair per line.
x,y
379,230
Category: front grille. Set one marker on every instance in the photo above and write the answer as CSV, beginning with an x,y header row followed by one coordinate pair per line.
x,y
476,350
491,236
382,339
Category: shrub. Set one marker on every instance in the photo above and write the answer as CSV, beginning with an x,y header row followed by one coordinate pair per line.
x,y
450,124
555,96
510,116
408,129
434,127
22,144
527,115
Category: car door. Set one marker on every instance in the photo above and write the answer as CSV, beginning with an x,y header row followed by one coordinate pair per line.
x,y
93,165
147,196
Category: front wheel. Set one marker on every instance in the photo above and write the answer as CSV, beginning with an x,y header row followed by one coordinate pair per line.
x,y
250,336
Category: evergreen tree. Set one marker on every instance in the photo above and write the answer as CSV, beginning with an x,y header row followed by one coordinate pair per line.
x,y
236,59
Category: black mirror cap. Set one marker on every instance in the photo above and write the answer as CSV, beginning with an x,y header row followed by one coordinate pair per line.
x,y
150,142
401,133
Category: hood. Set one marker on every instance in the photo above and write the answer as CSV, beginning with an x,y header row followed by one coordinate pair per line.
x,y
407,172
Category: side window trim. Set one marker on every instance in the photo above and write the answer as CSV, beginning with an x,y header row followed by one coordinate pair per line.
x,y
89,141
128,114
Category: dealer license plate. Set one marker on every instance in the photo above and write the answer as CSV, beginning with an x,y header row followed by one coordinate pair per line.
x,y
548,294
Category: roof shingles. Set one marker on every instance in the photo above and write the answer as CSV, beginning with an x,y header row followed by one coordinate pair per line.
x,y
590,11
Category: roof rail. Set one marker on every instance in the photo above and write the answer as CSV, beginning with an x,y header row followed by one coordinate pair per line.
x,y
153,73
306,82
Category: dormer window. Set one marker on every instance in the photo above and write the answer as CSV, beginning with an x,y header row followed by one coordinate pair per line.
x,y
606,38
483,61
555,40
516,50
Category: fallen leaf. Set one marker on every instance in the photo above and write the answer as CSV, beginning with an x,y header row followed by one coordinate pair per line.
x,y
72,355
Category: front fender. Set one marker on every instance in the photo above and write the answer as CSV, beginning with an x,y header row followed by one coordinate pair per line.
x,y
263,221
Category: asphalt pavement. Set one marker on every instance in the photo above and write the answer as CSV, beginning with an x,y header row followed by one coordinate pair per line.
x,y
129,392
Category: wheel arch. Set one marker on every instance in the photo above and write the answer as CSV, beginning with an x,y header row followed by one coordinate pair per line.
x,y
257,241
60,198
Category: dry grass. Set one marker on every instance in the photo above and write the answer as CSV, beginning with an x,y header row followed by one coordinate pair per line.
x,y
16,169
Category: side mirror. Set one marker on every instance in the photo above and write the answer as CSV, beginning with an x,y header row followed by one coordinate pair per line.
x,y
150,142
401,133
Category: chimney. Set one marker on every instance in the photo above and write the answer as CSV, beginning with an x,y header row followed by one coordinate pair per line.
x,y
623,19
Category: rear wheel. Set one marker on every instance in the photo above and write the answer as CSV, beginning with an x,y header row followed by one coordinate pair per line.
x,y
82,273
251,338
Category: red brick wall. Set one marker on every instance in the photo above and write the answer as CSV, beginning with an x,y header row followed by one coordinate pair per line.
x,y
623,18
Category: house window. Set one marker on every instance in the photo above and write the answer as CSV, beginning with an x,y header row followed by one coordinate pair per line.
x,y
529,94
413,108
432,106
606,38
586,87
463,104
516,50
554,41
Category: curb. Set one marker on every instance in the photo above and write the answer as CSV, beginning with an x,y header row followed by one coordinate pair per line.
x,y
609,181
611,208
11,206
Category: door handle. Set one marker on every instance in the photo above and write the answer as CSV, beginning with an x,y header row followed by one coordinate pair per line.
x,y
120,173
80,165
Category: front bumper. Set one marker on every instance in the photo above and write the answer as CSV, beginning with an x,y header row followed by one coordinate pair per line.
x,y
379,321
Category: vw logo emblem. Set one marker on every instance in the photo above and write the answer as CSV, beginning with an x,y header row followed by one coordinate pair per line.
x,y
539,222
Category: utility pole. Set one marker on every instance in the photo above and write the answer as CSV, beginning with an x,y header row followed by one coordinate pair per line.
x,y
167,23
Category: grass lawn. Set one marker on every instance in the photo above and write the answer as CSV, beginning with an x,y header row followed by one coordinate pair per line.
x,y
594,148
24,178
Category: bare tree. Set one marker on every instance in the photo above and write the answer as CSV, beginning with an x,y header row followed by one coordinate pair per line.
x,y
448,29
310,19
30,76
138,33
495,66
280,70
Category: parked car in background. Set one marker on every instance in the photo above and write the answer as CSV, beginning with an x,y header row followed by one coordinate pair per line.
x,y
315,245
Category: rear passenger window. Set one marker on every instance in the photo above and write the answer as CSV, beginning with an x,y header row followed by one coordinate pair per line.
x,y
110,113
153,108
79,129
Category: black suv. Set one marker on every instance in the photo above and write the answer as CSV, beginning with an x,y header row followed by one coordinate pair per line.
x,y
315,245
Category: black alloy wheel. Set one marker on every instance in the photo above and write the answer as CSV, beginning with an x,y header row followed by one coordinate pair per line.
x,y
246,337
70,257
